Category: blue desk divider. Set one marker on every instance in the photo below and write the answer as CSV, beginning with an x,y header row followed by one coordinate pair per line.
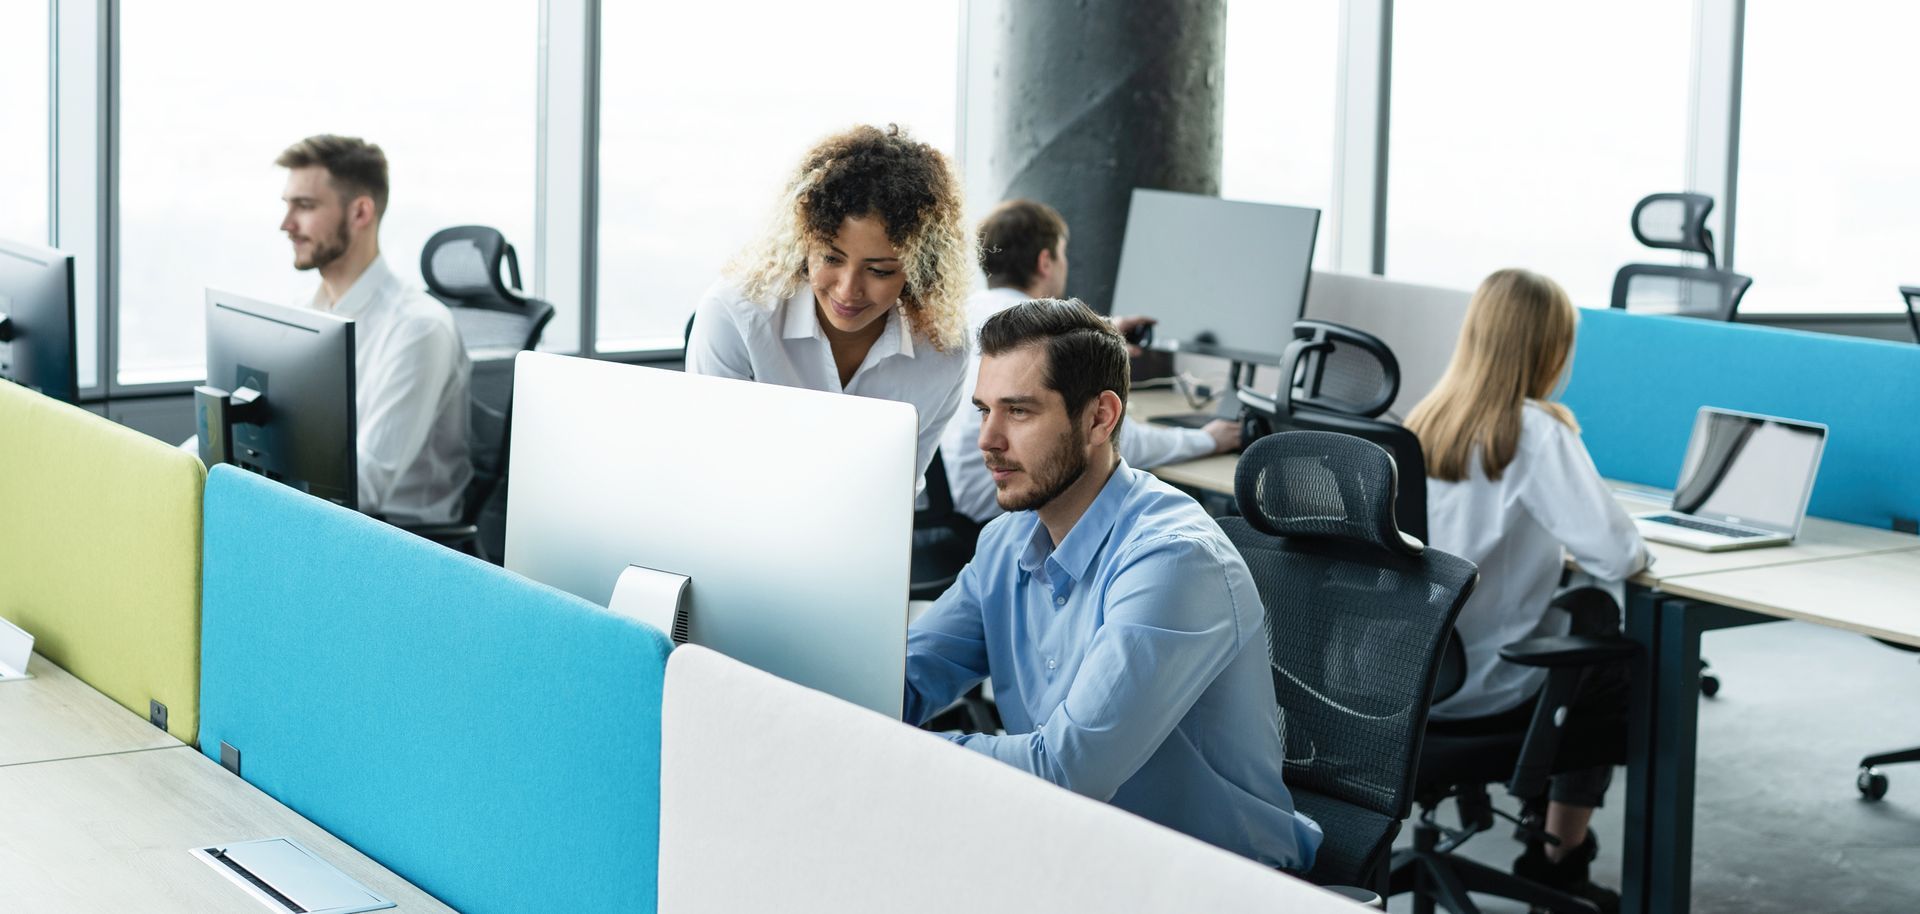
x,y
1639,379
491,740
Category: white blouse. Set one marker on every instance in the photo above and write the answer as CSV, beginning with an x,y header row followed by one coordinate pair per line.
x,y
1549,497
782,343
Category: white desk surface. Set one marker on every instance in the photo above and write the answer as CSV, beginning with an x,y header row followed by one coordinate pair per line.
x,y
1874,594
112,834
55,716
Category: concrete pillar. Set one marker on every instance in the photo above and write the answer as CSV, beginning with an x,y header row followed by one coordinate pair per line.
x,y
1091,99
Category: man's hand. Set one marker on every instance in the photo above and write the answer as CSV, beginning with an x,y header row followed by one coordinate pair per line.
x,y
1225,434
1127,325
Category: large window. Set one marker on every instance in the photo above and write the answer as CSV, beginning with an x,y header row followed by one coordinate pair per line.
x,y
706,108
24,40
1524,132
1281,105
212,92
1829,206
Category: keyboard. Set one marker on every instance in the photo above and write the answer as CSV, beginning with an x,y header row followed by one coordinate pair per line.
x,y
1184,420
1706,526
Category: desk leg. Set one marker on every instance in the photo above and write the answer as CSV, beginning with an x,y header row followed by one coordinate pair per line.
x,y
1642,625
1676,684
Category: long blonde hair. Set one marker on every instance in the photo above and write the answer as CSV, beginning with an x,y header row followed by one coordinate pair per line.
x,y
1514,346
911,187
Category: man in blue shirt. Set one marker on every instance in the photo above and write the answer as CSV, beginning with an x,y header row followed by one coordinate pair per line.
x,y
1122,631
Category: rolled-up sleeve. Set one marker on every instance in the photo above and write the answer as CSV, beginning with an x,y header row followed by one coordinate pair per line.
x,y
1171,626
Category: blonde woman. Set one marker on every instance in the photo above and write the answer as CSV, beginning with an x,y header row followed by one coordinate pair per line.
x,y
1509,486
858,286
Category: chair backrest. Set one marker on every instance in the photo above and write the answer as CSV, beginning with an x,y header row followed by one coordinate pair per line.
x,y
938,509
1911,294
1338,369
1357,616
1410,505
1656,288
462,268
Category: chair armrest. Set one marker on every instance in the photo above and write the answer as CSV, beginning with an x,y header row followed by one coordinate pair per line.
x,y
1569,651
441,533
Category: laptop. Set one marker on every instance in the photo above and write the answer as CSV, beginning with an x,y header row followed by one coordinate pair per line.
x,y
1744,484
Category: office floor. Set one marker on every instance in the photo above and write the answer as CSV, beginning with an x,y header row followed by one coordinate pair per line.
x,y
1779,825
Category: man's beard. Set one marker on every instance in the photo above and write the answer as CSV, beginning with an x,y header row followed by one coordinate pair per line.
x,y
1055,473
324,253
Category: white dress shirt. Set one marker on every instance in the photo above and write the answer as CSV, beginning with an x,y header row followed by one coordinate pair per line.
x,y
1549,497
1142,445
782,343
412,376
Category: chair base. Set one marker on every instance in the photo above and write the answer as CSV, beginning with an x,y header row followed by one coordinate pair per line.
x,y
1871,782
1446,879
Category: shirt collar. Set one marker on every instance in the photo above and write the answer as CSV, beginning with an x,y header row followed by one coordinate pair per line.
x,y
362,295
1076,553
803,321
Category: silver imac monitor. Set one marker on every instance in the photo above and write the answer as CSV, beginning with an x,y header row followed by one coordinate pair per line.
x,y
1222,277
790,510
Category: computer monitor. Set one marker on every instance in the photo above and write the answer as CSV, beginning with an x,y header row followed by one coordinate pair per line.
x,y
36,320
791,511
1222,277
279,397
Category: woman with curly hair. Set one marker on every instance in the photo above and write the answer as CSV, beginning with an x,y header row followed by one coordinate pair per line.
x,y
858,286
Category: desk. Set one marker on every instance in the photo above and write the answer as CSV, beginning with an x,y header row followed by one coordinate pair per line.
x,y
55,716
111,833
1871,592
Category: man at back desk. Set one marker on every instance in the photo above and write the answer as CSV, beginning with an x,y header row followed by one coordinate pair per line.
x,y
1023,248
411,370
1122,631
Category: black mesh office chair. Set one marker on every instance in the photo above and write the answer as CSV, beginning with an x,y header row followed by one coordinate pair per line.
x,y
1911,295
1357,616
1678,222
1461,765
462,268
943,538
1343,380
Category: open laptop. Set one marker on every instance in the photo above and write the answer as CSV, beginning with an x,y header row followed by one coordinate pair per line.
x,y
1745,483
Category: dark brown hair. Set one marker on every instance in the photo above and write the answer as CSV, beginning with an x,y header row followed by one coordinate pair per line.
x,y
356,168
1085,355
1012,237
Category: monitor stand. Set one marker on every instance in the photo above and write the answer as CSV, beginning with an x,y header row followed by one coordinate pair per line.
x,y
216,411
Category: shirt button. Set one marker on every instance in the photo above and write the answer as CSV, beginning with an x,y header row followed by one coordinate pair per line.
x,y
1059,601
1051,663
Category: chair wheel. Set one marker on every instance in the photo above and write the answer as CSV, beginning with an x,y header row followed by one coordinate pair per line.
x,y
1709,686
1872,784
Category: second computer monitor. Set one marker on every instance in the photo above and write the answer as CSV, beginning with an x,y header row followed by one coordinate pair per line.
x,y
279,397
1221,277
36,320
791,511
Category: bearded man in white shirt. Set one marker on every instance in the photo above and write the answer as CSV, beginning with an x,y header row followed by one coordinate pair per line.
x,y
411,370
1023,249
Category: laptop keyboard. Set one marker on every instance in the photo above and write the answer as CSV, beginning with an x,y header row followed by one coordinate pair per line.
x,y
1705,526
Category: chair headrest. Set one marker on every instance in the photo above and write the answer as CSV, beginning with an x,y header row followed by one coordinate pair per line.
x,y
1676,222
463,263
1338,369
1322,485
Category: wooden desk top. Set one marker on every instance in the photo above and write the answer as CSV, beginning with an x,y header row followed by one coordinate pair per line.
x,y
112,834
55,716
1875,594
1212,474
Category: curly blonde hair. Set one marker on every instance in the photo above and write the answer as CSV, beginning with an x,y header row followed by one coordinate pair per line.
x,y
911,187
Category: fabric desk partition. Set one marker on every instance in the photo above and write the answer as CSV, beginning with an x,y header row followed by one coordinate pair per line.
x,y
781,798
100,553
1638,379
493,741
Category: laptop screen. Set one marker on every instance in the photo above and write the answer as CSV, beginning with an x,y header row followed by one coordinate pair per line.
x,y
1747,469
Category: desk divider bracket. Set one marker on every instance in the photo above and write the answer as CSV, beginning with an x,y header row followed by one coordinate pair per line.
x,y
658,598
156,713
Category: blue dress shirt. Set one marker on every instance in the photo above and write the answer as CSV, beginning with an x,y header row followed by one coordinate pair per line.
x,y
1129,665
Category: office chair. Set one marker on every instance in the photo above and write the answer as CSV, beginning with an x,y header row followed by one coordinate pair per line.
x,y
1358,614
1678,222
943,538
462,268
1871,781
1462,763
1344,379
1911,295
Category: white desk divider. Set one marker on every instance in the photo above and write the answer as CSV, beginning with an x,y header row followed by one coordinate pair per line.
x,y
16,651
